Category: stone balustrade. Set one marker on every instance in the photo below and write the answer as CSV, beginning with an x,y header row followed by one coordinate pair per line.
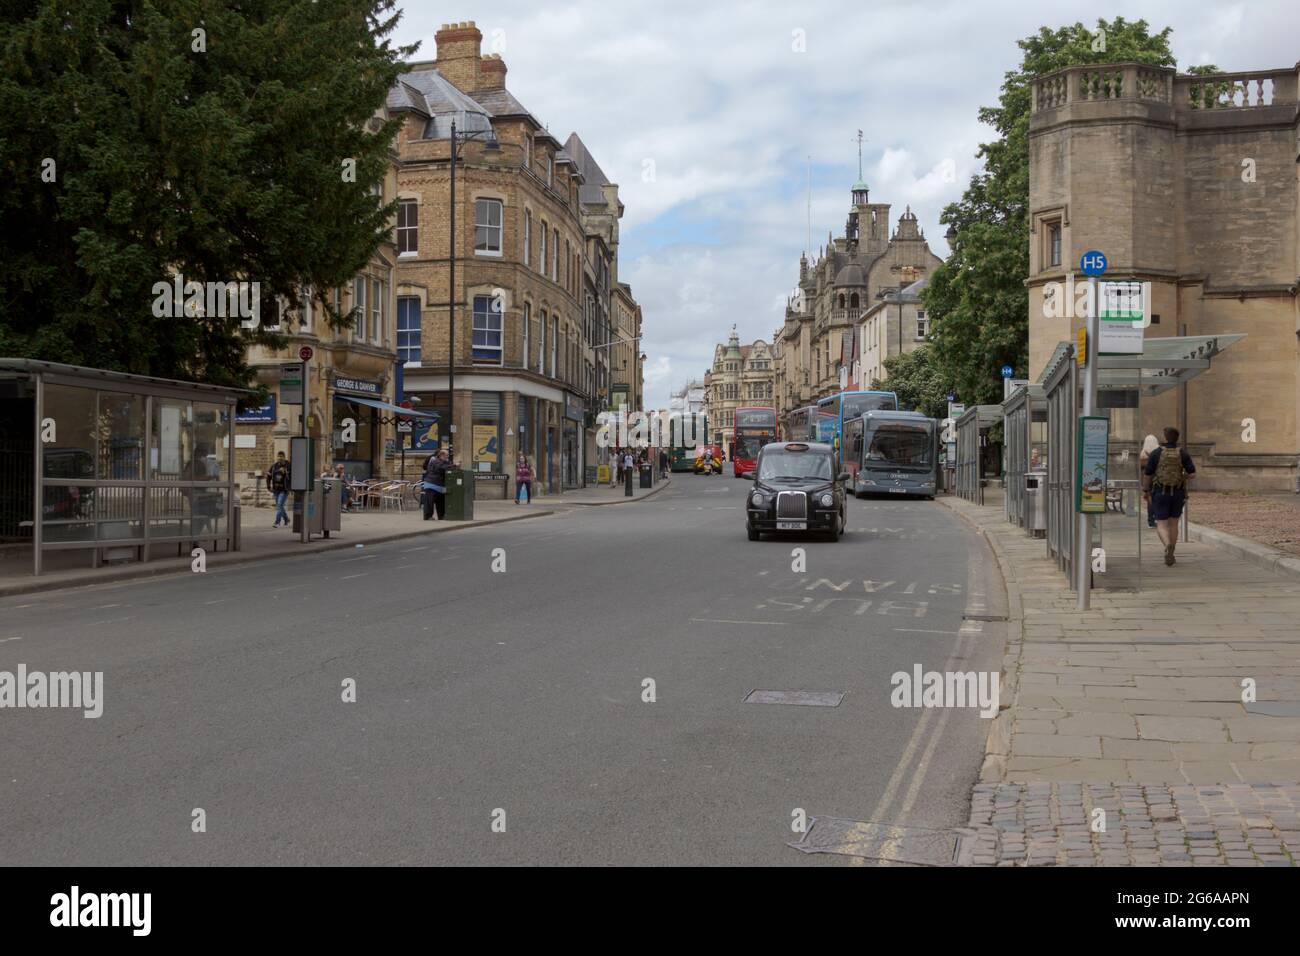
x,y
1162,85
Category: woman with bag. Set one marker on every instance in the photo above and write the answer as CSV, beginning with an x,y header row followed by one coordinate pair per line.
x,y
523,480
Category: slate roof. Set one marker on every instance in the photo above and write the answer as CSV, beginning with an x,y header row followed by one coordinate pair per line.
x,y
429,93
594,178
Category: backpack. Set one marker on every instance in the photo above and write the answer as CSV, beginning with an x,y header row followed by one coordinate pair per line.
x,y
1169,469
279,477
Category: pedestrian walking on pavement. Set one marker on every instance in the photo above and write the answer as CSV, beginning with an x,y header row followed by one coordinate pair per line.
x,y
523,480
627,462
435,485
663,464
1169,467
277,482
1148,446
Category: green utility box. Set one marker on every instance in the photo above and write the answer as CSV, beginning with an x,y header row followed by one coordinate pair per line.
x,y
460,495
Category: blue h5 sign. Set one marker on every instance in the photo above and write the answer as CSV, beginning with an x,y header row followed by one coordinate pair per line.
x,y
1093,263
1008,371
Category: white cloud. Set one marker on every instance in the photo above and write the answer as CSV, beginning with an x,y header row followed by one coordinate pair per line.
x,y
714,95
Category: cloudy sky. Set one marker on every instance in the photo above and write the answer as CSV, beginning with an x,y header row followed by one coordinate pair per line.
x,y
710,116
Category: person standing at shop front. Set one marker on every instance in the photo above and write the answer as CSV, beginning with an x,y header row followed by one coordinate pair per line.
x,y
523,479
277,483
435,485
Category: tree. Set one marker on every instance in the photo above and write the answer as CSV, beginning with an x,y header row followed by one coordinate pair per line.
x,y
977,299
144,138
917,382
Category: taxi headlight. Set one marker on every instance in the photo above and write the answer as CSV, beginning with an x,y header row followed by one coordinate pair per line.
x,y
757,499
827,500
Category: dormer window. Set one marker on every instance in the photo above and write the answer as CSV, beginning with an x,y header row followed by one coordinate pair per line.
x,y
550,170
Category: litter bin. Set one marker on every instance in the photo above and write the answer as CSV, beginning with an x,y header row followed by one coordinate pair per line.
x,y
332,506
460,495
647,476
1035,501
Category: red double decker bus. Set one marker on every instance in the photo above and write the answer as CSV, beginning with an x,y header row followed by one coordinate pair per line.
x,y
755,427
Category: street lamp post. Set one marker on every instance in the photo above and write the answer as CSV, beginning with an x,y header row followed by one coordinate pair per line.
x,y
457,140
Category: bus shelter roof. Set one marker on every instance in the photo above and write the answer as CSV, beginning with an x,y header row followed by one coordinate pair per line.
x,y
1164,363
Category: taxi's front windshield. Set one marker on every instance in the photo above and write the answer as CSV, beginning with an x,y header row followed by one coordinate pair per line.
x,y
794,464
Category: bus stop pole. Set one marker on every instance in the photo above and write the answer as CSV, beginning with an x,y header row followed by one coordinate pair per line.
x,y
302,431
1083,542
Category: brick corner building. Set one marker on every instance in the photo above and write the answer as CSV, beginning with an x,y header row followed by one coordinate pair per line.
x,y
535,273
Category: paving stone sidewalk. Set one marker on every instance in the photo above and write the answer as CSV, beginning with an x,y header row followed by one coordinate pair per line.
x,y
1135,707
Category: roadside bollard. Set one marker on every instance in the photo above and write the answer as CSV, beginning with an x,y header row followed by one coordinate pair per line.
x,y
627,482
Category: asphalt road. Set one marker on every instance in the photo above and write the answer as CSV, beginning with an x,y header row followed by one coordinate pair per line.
x,y
519,690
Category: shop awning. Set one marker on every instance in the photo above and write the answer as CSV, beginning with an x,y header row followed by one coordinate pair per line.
x,y
386,406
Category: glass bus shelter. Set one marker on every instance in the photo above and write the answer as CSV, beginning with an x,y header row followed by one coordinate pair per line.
x,y
1024,431
972,429
122,466
1122,382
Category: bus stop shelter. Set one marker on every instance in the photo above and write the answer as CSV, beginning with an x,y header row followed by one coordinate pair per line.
x,y
972,429
1122,382
1024,432
121,466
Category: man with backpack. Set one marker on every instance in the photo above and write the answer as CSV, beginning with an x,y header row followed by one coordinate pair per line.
x,y
277,482
1169,468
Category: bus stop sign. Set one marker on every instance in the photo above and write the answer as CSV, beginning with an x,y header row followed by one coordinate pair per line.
x,y
1093,263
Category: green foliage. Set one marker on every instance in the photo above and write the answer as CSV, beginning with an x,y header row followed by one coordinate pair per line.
x,y
916,380
977,299
222,164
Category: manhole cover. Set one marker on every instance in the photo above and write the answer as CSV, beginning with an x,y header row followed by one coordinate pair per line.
x,y
807,698
880,841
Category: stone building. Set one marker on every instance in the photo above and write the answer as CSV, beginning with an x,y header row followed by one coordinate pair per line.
x,y
1189,183
534,258
822,350
741,375
895,325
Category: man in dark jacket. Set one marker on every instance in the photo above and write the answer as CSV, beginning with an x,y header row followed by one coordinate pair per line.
x,y
1170,467
277,483
435,485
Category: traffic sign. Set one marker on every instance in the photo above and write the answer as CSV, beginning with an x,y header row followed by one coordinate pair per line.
x,y
1008,372
1093,263
304,353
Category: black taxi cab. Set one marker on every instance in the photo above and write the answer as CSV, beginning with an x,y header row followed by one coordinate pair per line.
x,y
796,489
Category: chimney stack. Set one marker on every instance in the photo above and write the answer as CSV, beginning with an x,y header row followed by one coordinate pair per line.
x,y
458,54
492,72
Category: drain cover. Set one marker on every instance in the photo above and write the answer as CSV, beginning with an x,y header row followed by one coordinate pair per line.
x,y
808,698
880,841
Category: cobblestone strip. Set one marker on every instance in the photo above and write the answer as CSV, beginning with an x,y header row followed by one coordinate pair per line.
x,y
1056,824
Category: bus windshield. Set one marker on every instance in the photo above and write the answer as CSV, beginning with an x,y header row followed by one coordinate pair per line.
x,y
859,403
748,446
899,445
799,464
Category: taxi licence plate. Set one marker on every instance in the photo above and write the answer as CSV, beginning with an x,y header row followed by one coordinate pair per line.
x,y
792,526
